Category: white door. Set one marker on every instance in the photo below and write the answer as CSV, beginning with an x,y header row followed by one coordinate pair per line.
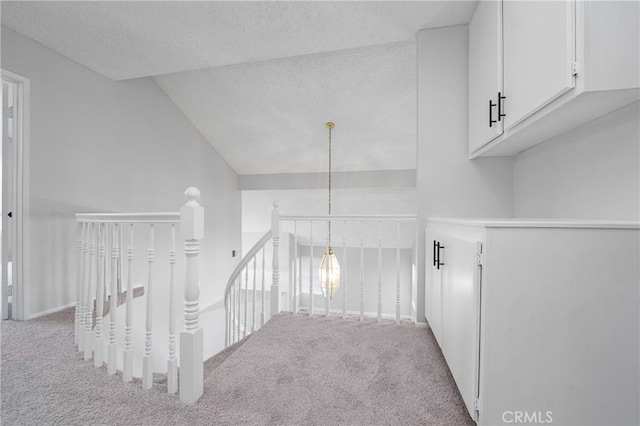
x,y
6,228
433,285
461,323
539,38
485,74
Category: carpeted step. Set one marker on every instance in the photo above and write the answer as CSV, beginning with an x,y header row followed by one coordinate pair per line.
x,y
215,361
122,299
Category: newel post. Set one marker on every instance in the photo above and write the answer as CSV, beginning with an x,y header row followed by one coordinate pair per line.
x,y
191,346
275,236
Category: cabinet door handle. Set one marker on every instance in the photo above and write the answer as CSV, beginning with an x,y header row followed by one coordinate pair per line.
x,y
438,263
491,120
500,109
435,253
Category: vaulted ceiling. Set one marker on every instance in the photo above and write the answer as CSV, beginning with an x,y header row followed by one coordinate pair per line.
x,y
260,79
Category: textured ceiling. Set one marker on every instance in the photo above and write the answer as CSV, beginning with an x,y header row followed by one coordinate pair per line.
x,y
282,105
259,79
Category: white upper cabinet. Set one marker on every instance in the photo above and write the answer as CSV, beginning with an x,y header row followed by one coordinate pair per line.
x,y
558,64
538,53
485,74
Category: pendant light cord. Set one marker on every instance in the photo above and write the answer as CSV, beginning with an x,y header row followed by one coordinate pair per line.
x,y
329,187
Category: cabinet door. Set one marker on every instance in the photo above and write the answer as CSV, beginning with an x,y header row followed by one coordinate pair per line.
x,y
538,55
433,287
485,73
461,321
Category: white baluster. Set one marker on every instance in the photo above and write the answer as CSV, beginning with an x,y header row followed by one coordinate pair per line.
x,y
290,282
147,360
246,299
127,363
379,271
191,344
275,235
83,286
227,318
299,280
262,291
90,295
172,363
76,322
232,313
112,354
239,298
98,342
234,317
344,268
253,305
398,272
361,271
227,312
120,259
294,300
310,268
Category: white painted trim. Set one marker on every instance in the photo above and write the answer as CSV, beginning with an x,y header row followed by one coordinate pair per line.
x,y
51,311
20,303
412,218
422,325
538,223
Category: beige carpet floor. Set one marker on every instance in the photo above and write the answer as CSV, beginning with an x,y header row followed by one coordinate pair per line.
x,y
296,370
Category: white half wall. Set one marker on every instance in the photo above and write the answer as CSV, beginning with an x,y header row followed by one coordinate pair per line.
x,y
99,145
448,183
591,172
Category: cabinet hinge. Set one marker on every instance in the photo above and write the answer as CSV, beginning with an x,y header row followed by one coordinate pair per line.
x,y
8,112
574,68
480,258
476,404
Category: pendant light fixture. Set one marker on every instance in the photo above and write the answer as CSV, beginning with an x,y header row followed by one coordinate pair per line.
x,y
329,267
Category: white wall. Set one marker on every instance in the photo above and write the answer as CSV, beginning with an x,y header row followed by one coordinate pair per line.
x,y
448,184
99,145
257,204
361,179
591,172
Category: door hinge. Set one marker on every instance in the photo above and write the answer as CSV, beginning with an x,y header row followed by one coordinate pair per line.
x,y
480,258
8,112
476,405
574,68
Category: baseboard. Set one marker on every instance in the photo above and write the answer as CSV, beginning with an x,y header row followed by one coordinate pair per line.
x,y
422,325
51,311
319,312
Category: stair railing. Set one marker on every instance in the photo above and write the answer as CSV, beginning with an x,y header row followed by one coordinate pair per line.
x,y
244,282
379,247
99,233
239,321
382,251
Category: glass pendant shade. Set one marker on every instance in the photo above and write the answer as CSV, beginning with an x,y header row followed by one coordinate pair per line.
x,y
329,274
